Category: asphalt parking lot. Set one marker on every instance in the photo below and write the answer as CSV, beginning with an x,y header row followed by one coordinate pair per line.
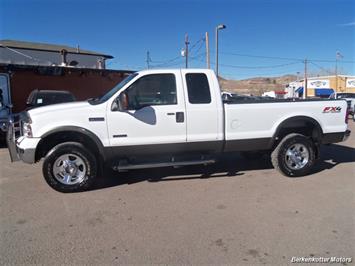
x,y
239,212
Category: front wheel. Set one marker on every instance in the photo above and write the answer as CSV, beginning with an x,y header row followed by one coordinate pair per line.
x,y
70,167
294,155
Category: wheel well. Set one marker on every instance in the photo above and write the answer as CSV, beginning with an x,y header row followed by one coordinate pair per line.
x,y
50,141
301,125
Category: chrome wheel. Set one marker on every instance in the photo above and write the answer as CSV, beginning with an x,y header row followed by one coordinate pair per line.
x,y
69,169
297,156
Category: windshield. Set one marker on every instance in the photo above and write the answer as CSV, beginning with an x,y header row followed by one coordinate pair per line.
x,y
115,89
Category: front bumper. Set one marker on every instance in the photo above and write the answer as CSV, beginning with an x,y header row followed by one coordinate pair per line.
x,y
20,147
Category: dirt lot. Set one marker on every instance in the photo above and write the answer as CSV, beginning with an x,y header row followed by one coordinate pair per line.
x,y
238,212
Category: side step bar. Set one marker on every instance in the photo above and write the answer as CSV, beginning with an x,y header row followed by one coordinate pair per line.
x,y
156,165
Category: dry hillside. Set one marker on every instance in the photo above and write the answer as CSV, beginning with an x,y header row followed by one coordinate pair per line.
x,y
256,86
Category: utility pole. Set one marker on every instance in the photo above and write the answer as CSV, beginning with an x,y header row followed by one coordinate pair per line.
x,y
207,51
186,50
336,70
148,59
305,80
338,56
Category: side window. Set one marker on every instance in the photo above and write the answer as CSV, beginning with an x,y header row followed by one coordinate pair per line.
x,y
198,88
155,89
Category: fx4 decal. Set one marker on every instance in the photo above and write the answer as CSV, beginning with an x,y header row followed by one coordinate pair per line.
x,y
332,109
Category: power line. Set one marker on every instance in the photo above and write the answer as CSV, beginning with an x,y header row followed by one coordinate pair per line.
x,y
257,67
284,58
327,71
165,63
171,62
201,40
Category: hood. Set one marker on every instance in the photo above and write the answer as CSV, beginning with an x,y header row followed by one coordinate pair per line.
x,y
67,107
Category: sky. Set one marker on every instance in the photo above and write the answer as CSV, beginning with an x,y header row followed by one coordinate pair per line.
x,y
262,37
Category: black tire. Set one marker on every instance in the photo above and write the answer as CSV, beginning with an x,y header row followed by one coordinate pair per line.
x,y
88,162
279,158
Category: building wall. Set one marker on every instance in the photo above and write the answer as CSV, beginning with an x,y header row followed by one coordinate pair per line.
x,y
337,84
83,83
45,58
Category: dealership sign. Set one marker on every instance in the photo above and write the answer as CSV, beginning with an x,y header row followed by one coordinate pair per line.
x,y
350,83
317,84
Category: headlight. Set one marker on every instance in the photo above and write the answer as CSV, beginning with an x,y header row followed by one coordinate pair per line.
x,y
26,125
26,130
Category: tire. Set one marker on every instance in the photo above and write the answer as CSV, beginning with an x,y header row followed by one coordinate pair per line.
x,y
294,156
70,167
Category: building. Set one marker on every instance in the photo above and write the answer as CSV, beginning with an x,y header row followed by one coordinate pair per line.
x,y
26,66
322,86
42,54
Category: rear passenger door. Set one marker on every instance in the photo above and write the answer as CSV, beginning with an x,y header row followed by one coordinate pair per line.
x,y
202,110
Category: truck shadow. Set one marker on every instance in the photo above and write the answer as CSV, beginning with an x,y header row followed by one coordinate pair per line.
x,y
231,166
332,155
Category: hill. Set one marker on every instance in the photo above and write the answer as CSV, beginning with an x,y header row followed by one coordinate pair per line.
x,y
256,86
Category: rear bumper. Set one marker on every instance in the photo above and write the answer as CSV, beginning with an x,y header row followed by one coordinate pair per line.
x,y
335,137
21,148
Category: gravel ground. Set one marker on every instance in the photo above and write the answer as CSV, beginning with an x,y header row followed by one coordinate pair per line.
x,y
237,212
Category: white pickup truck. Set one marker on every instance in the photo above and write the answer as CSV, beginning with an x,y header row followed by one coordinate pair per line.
x,y
159,118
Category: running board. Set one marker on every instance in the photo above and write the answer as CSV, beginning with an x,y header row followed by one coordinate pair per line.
x,y
156,165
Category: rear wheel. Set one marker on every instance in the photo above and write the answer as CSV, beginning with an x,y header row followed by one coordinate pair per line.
x,y
294,155
70,167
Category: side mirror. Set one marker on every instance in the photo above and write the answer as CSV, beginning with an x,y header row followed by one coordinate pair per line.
x,y
123,102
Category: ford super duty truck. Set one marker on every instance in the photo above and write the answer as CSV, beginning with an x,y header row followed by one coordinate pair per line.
x,y
159,118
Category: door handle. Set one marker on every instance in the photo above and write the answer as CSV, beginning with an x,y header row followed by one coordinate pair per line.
x,y
180,117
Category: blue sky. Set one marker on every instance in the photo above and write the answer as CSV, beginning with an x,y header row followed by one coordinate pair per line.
x,y
291,29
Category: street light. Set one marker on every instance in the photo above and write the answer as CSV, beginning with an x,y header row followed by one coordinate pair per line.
x,y
219,27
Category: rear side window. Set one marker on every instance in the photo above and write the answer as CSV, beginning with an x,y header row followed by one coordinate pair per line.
x,y
198,88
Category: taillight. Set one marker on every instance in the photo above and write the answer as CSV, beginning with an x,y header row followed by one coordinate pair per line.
x,y
347,114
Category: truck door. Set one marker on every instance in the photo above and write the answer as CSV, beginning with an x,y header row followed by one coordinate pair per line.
x,y
203,111
156,114
5,100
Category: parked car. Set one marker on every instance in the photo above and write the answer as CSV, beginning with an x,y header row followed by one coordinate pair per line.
x,y
38,98
349,97
159,118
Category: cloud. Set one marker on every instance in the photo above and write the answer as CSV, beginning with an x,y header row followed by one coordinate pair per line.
x,y
347,24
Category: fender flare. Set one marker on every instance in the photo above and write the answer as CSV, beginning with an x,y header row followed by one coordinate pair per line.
x,y
294,120
79,130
